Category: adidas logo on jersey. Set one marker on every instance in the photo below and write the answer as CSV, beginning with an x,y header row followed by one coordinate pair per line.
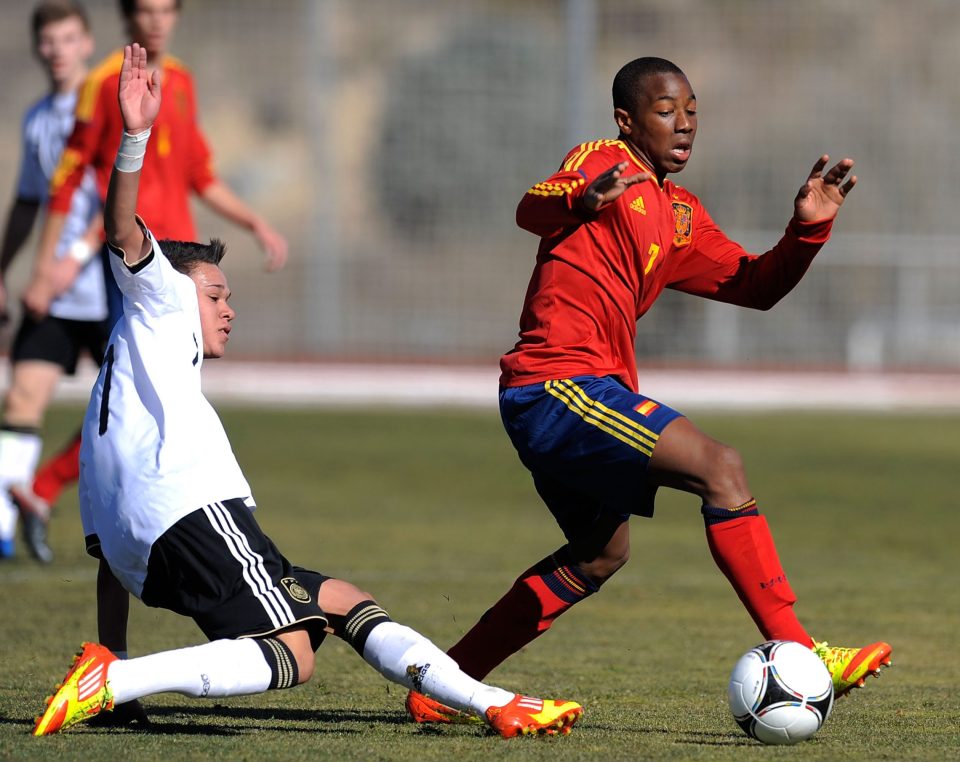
x,y
638,206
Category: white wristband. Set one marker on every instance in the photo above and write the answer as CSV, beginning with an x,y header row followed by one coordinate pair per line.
x,y
80,251
131,152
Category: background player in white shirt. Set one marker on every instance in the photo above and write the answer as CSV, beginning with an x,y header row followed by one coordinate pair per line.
x,y
165,505
44,349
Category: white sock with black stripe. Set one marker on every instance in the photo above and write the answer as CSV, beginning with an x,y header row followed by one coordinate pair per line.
x,y
218,668
283,664
406,657
357,624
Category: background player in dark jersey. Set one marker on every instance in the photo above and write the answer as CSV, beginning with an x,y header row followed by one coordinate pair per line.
x,y
168,511
614,233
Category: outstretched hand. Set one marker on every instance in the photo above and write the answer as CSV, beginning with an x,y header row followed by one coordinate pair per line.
x,y
139,93
609,186
821,196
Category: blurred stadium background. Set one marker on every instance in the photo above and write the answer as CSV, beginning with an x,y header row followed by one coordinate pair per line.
x,y
390,140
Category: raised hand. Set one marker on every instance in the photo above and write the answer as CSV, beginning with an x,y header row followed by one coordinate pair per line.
x,y
821,196
609,186
139,93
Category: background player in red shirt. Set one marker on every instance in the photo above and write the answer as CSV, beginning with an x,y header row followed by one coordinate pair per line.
x,y
178,165
614,233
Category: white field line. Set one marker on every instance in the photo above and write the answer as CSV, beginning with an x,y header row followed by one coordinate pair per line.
x,y
362,385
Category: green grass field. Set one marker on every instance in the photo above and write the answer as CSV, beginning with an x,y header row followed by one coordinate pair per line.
x,y
432,513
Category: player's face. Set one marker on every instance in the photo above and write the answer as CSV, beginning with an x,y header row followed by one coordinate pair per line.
x,y
216,314
63,48
663,124
152,24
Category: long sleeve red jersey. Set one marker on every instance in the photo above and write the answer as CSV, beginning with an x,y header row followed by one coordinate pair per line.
x,y
177,162
596,274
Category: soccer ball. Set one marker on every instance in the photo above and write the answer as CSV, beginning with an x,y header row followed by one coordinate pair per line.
x,y
780,692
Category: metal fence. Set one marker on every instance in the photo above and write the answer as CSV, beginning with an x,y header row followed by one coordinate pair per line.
x,y
391,140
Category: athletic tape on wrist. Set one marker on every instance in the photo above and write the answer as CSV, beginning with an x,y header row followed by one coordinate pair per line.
x,y
80,251
131,152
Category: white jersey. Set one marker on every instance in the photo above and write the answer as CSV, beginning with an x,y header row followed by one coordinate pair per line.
x,y
46,127
153,449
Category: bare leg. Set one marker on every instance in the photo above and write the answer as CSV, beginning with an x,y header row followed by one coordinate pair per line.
x,y
739,539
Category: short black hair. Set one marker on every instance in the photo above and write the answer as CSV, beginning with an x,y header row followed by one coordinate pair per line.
x,y
50,11
129,7
186,255
626,85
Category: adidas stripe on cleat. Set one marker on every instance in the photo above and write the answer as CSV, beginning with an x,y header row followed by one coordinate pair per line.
x,y
83,694
525,715
850,667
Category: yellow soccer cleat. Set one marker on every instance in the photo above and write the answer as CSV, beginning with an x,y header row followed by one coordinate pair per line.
x,y
83,694
850,667
525,716
423,709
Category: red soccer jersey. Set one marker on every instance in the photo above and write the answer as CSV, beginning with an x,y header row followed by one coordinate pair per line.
x,y
177,160
598,273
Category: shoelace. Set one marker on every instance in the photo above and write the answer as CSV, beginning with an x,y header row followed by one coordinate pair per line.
x,y
831,656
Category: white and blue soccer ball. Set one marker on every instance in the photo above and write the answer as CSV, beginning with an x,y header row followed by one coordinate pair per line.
x,y
780,692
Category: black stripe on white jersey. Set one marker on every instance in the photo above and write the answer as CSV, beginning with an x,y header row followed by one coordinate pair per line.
x,y
254,572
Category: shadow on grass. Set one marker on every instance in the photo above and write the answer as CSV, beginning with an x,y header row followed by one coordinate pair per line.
x,y
232,721
698,738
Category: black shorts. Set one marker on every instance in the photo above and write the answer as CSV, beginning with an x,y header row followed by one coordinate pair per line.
x,y
217,567
60,341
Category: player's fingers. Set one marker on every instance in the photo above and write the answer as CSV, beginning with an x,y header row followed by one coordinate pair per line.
x,y
606,179
818,167
848,186
639,177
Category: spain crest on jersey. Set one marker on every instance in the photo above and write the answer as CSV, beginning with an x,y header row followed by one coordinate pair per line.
x,y
682,223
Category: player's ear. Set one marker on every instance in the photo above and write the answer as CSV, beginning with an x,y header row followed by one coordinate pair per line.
x,y
623,120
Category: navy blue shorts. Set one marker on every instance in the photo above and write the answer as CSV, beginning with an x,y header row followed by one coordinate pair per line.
x,y
587,441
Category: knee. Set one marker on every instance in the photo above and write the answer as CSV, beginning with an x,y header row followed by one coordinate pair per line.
x,y
22,407
305,666
306,661
300,648
725,479
606,564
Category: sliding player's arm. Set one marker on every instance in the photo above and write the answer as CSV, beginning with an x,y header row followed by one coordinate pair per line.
x,y
139,96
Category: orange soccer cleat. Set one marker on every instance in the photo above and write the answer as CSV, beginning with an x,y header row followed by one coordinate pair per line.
x,y
525,715
83,694
850,667
423,709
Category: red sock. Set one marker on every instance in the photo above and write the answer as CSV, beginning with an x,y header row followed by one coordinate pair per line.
x,y
539,596
62,469
743,548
